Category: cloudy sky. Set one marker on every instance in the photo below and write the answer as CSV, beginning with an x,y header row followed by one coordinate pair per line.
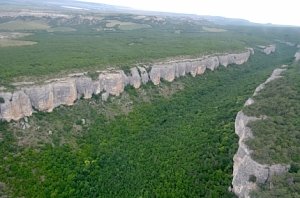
x,y
284,12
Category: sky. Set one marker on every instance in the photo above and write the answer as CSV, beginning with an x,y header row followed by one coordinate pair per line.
x,y
283,12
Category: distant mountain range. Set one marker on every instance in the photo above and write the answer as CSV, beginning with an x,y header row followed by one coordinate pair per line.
x,y
79,5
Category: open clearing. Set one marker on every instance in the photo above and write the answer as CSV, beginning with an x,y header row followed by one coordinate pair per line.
x,y
15,43
61,29
13,35
210,29
126,25
24,25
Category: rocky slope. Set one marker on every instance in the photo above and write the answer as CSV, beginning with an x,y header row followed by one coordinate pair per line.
x,y
247,173
24,101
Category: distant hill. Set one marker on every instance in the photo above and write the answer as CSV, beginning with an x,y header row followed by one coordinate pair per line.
x,y
66,4
78,5
228,21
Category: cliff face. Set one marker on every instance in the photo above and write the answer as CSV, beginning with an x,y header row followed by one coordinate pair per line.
x,y
66,91
247,173
47,97
297,56
269,49
16,105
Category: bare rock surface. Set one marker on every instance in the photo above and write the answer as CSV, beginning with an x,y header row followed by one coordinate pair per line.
x,y
297,56
211,63
250,49
15,106
104,96
84,86
249,102
41,97
64,92
276,74
113,82
238,59
155,75
135,78
171,70
144,75
269,49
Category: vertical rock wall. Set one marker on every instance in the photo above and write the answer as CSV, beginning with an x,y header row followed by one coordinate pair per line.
x,y
297,56
46,97
269,49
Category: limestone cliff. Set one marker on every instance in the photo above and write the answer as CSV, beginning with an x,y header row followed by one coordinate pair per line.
x,y
66,91
135,78
269,49
113,82
170,70
245,169
297,56
16,105
234,58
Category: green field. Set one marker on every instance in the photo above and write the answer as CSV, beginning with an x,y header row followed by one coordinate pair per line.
x,y
175,140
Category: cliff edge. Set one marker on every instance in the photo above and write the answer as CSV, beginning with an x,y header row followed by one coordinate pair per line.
x,y
247,173
45,97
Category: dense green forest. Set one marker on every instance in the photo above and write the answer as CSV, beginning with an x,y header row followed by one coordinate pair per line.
x,y
174,140
277,138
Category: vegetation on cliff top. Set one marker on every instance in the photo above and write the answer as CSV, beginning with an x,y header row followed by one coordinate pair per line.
x,y
277,138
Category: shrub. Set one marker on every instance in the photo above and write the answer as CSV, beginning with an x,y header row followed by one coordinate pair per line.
x,y
2,100
252,178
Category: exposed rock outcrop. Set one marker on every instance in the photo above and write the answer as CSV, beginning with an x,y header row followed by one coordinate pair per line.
x,y
144,75
275,74
297,56
84,86
113,82
234,58
211,63
251,50
269,49
169,71
66,91
41,97
247,173
15,106
135,78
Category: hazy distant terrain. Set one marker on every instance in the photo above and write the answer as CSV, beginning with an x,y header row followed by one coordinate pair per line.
x,y
64,39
